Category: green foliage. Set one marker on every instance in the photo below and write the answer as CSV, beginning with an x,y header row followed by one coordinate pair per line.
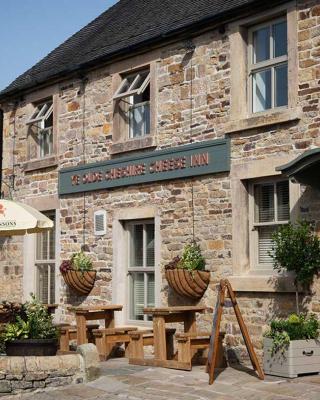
x,y
37,324
296,248
296,327
81,262
192,259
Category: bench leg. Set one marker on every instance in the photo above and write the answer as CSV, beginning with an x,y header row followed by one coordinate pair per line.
x,y
101,347
184,350
64,341
135,346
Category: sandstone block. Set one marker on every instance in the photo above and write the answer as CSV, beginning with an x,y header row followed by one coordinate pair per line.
x,y
73,106
5,387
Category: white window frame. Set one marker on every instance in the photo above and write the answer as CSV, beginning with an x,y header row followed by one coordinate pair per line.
x,y
145,270
131,90
255,267
40,115
50,263
271,63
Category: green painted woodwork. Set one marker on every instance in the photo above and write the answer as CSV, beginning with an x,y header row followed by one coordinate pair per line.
x,y
190,160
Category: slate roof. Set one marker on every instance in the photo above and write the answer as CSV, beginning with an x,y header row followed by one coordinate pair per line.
x,y
127,26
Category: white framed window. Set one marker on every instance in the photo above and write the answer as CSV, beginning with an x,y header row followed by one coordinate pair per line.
x,y
268,65
42,122
134,93
269,208
45,260
141,268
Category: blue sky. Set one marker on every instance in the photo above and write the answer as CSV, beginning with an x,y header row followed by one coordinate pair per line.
x,y
30,29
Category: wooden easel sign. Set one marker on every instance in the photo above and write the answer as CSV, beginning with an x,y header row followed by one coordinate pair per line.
x,y
225,286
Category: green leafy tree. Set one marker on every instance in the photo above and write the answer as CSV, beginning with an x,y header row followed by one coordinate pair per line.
x,y
296,248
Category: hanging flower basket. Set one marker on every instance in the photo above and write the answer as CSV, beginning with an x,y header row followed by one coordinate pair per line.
x,y
80,282
186,275
191,284
78,274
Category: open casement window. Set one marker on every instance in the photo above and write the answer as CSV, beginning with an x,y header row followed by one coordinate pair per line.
x,y
133,103
41,128
141,269
45,264
268,66
270,209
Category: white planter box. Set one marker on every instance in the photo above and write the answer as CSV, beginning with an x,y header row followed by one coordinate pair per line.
x,y
301,357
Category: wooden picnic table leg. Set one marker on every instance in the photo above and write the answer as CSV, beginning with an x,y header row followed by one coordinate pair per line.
x,y
159,332
81,329
109,319
190,326
109,323
190,322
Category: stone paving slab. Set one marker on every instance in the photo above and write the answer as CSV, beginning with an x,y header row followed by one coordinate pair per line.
x,y
121,381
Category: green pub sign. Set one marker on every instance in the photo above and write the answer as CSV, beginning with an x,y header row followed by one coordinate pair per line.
x,y
194,159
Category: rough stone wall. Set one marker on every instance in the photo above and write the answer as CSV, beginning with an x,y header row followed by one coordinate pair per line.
x,y
86,106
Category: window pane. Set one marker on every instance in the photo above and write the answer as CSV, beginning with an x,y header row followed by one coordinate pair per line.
x,y
150,291
262,90
137,246
139,120
137,296
52,284
283,201
150,245
280,39
265,244
264,200
261,44
281,85
42,283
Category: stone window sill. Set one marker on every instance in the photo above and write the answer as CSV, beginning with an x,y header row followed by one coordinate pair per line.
x,y
133,145
43,163
255,283
265,119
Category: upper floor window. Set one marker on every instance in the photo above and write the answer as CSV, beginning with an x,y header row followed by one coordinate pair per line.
x,y
268,65
133,98
41,126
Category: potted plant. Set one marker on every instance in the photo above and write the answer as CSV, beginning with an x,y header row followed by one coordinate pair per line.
x,y
32,333
295,249
78,273
291,346
186,275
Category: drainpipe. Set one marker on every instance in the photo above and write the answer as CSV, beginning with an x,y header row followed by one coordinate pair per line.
x,y
1,149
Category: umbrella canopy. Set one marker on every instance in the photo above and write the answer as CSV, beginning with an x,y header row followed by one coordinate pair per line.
x,y
19,219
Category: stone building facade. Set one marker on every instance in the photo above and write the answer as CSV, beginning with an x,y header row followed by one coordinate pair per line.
x,y
199,91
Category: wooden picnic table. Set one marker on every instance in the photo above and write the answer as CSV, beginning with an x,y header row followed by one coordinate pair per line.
x,y
162,316
92,313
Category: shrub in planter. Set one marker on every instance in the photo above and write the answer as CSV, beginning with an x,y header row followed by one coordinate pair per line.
x,y
291,346
31,334
78,274
186,274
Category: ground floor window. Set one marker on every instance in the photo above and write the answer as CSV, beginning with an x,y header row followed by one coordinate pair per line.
x,y
270,207
45,260
141,268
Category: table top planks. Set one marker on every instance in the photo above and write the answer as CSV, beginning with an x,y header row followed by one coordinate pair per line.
x,y
173,310
89,309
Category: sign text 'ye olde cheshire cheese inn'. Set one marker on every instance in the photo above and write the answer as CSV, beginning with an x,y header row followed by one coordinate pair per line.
x,y
200,122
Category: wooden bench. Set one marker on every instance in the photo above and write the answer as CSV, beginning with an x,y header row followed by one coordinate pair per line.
x,y
142,338
191,347
106,338
69,332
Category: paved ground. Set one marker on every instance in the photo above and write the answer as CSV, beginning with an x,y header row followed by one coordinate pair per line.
x,y
122,381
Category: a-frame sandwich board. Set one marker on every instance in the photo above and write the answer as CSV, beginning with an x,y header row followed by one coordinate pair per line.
x,y
225,287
